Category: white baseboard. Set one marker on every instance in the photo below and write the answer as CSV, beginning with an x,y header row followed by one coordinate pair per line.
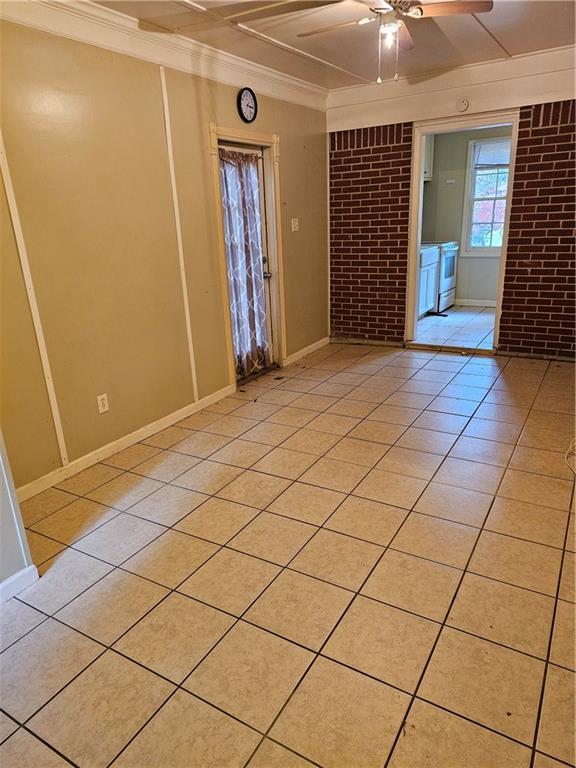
x,y
17,582
306,351
475,302
57,475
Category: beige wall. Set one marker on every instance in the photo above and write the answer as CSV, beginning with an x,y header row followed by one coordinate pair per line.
x,y
443,209
85,142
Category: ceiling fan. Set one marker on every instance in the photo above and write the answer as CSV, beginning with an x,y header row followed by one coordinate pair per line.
x,y
392,29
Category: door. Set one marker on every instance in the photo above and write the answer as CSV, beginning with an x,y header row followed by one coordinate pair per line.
x,y
245,238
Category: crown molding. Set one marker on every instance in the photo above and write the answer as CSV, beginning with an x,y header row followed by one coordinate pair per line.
x,y
534,78
97,25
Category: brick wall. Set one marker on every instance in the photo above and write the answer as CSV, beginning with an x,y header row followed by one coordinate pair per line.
x,y
369,206
538,307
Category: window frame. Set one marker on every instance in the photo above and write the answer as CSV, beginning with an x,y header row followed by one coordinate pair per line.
x,y
483,252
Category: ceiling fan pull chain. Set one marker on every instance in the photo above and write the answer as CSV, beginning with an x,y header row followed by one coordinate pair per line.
x,y
397,36
379,80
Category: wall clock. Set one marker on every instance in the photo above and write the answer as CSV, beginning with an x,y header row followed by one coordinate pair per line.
x,y
247,105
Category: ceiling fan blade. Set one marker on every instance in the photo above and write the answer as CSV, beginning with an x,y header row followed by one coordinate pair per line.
x,y
405,41
431,10
366,20
249,11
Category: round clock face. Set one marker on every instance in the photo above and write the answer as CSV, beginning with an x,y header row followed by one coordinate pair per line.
x,y
247,105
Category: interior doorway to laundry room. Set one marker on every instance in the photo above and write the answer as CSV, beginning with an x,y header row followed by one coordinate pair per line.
x,y
461,192
252,274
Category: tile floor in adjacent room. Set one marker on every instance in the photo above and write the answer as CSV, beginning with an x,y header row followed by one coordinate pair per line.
x,y
365,559
464,327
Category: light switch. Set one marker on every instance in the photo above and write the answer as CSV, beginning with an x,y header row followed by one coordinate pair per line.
x,y
295,225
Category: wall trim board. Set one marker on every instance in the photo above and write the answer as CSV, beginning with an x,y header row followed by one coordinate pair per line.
x,y
534,78
32,301
475,302
295,356
366,342
176,206
18,582
97,25
62,473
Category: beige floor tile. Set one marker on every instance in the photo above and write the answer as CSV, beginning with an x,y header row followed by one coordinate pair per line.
x,y
422,387
254,489
544,761
272,755
414,584
92,719
556,734
409,400
339,717
201,444
515,617
199,420
507,413
23,750
441,422
547,438
250,674
310,441
391,488
224,406
166,438
475,394
166,466
527,521
384,642
299,608
458,504
75,520
62,579
241,453
333,424
440,540
406,461
368,520
292,417
518,562
168,505
131,456
492,685
336,558
208,477
285,463
485,451
314,402
43,504
88,479
373,394
377,432
124,491
118,539
355,408
257,410
335,475
426,440
540,462
273,538
217,520
230,581
42,548
39,664
469,474
395,413
571,536
267,433
170,558
16,619
567,580
438,739
200,737
536,489
357,452
498,431
175,636
7,727
307,503
563,640
230,426
112,606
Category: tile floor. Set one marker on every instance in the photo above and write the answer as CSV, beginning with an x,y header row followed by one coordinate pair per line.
x,y
463,327
365,559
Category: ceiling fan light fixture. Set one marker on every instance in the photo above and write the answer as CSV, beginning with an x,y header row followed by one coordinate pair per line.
x,y
365,20
416,12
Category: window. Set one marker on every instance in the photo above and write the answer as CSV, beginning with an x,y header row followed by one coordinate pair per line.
x,y
488,177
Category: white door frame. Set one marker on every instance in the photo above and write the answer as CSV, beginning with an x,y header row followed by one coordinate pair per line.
x,y
270,144
422,129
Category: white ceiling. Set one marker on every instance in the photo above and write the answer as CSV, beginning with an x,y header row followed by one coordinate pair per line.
x,y
348,56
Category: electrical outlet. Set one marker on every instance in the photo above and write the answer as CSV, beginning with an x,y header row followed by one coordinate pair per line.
x,y
102,401
295,225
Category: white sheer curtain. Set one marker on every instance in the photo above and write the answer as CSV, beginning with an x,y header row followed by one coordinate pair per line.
x,y
239,184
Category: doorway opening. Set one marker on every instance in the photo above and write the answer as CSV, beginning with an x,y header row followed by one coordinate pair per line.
x,y
245,166
461,192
